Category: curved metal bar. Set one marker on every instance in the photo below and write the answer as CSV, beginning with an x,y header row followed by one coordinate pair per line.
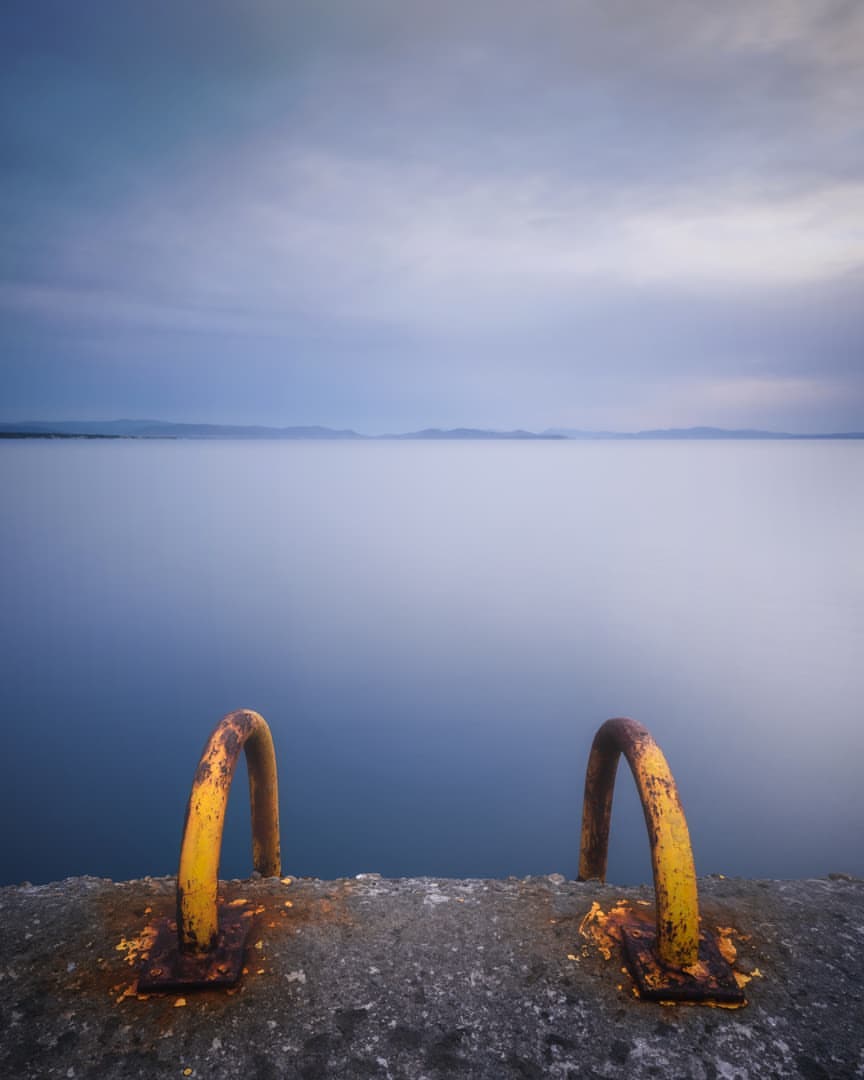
x,y
671,855
198,876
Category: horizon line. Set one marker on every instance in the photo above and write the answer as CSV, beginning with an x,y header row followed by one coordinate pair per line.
x,y
36,428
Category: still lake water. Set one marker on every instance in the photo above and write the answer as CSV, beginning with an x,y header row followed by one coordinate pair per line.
x,y
433,631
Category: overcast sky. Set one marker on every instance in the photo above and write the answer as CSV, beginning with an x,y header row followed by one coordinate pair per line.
x,y
391,214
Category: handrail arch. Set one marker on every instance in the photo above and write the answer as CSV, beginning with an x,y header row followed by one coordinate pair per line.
x,y
198,875
671,855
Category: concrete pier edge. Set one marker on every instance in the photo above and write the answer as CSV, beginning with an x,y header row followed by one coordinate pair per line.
x,y
422,978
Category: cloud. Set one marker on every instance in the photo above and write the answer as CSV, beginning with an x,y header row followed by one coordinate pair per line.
x,y
566,197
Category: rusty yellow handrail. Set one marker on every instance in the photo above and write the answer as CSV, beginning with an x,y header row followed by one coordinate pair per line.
x,y
198,876
671,855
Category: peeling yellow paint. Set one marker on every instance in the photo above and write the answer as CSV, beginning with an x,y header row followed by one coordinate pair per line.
x,y
594,910
726,945
129,992
135,948
729,952
595,928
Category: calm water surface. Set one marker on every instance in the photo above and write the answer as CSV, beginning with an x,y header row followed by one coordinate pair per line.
x,y
434,631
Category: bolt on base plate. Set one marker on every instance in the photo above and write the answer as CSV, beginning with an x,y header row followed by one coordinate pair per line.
x,y
709,981
167,968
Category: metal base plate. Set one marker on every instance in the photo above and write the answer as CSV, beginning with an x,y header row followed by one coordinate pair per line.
x,y
710,980
166,968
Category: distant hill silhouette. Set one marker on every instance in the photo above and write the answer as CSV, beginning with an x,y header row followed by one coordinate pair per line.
x,y
165,429
699,433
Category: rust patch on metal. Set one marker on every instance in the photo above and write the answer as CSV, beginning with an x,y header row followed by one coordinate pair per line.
x,y
167,967
202,773
163,968
110,967
710,980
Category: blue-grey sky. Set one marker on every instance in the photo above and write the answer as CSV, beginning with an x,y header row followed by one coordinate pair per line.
x,y
388,214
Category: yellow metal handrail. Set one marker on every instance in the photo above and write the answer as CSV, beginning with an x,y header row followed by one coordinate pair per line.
x,y
671,855
198,876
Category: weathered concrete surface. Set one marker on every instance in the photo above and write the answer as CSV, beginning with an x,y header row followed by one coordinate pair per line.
x,y
426,978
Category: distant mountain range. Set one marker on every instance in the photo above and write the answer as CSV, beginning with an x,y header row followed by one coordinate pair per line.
x,y
700,433
164,429
161,429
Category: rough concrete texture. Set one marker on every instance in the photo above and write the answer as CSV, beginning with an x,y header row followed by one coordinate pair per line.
x,y
426,978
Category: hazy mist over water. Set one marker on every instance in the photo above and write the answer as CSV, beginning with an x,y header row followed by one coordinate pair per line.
x,y
434,631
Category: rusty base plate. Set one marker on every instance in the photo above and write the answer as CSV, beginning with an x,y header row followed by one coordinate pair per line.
x,y
710,980
166,968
